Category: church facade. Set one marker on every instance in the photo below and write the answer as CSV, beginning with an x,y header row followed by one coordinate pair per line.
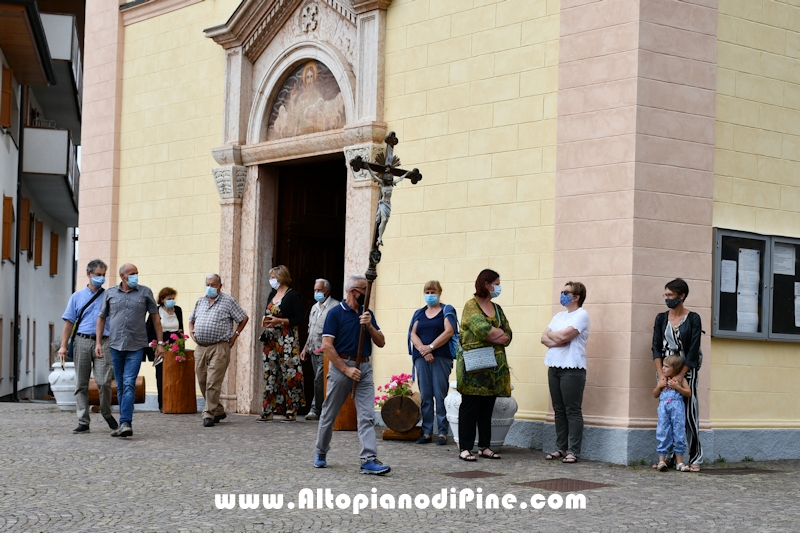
x,y
621,143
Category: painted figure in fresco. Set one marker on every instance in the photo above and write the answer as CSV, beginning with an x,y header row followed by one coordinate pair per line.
x,y
306,110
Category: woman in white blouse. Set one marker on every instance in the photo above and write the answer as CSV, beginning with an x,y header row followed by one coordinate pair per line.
x,y
565,339
171,322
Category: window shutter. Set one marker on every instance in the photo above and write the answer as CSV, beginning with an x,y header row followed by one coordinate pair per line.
x,y
53,253
24,223
8,225
6,99
37,255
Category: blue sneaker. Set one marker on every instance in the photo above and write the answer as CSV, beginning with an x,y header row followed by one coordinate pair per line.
x,y
319,460
375,467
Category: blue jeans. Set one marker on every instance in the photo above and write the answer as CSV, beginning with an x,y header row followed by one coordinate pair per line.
x,y
671,429
126,364
432,382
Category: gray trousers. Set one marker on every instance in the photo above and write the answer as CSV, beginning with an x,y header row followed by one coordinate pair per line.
x,y
566,392
85,360
339,387
319,366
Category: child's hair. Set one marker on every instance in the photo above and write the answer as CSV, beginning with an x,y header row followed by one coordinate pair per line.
x,y
674,361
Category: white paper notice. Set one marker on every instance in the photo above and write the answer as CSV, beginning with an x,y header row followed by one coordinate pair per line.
x,y
747,322
747,291
749,260
783,258
728,276
797,304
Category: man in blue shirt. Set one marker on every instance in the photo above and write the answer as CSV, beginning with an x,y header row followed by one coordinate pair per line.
x,y
340,336
83,349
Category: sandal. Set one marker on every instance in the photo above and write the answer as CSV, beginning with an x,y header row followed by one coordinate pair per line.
x,y
469,457
555,455
289,417
569,459
661,466
680,467
692,468
490,455
264,417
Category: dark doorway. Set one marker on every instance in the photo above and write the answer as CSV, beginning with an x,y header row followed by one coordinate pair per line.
x,y
310,235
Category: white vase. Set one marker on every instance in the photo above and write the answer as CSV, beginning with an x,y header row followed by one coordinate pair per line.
x,y
502,416
63,384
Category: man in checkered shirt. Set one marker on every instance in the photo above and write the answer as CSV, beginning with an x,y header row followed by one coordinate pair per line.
x,y
211,327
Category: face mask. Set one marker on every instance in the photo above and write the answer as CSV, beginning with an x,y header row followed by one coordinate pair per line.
x,y
497,290
169,304
274,283
98,281
133,280
319,296
431,299
672,303
566,299
361,298
211,292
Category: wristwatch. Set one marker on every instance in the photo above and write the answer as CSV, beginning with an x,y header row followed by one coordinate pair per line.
x,y
235,332
430,346
161,343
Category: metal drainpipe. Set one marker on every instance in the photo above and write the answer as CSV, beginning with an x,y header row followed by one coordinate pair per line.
x,y
17,326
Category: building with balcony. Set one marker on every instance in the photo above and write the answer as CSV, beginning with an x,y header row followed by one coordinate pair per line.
x,y
40,134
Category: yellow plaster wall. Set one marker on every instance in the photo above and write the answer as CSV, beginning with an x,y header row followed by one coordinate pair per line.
x,y
757,189
471,92
173,82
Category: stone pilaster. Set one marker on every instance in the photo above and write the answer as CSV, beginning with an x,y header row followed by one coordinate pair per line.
x,y
362,201
634,185
231,181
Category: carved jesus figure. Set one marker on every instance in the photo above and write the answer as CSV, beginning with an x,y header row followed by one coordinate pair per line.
x,y
385,203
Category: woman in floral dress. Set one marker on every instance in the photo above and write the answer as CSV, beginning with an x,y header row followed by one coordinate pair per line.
x,y
283,370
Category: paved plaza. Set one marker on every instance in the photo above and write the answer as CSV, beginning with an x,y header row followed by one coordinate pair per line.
x,y
166,476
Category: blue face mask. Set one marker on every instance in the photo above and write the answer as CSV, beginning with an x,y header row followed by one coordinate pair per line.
x,y
98,281
169,304
319,296
497,290
431,299
566,299
133,280
211,292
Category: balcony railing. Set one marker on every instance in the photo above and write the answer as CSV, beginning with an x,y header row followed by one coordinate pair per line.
x,y
50,172
62,102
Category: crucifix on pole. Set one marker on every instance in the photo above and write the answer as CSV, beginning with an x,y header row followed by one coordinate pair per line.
x,y
387,175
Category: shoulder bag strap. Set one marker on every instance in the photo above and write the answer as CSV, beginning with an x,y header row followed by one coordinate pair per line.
x,y
83,310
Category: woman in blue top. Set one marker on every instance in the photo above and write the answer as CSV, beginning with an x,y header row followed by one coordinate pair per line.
x,y
429,344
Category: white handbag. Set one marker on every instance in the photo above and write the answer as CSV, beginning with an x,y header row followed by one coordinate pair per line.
x,y
482,358
479,359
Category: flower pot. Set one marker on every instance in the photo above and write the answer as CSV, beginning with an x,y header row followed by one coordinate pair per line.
x,y
63,384
502,416
179,389
401,413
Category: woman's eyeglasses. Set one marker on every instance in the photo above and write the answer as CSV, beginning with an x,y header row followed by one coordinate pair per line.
x,y
566,293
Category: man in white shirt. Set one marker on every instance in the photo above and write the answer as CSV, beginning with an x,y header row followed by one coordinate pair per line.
x,y
312,349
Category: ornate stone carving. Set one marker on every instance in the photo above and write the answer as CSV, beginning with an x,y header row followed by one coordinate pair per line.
x,y
308,17
366,151
231,181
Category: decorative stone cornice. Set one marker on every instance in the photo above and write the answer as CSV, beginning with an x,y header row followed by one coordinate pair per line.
x,y
256,22
153,8
362,6
227,155
231,181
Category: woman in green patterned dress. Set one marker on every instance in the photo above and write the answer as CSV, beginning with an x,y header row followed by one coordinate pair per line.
x,y
483,324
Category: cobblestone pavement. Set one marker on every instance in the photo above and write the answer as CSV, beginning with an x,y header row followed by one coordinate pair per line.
x,y
166,476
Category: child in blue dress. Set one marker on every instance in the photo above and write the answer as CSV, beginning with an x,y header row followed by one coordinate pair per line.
x,y
671,430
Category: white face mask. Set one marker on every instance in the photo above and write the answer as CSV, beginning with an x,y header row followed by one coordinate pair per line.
x,y
274,283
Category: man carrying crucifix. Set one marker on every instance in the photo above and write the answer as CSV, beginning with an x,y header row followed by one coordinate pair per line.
x,y
340,337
